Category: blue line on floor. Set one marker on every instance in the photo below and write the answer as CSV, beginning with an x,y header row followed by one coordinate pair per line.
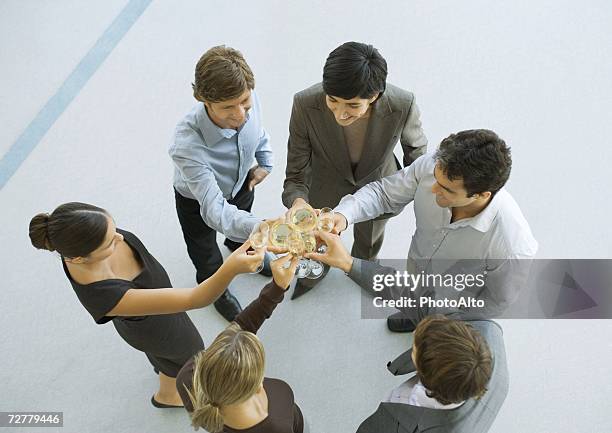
x,y
56,105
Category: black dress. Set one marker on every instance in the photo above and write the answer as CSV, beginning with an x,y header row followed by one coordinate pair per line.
x,y
168,340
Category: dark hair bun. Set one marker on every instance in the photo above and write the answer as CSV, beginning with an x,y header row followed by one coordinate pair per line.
x,y
39,235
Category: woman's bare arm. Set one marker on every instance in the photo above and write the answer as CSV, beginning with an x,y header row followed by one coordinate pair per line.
x,y
142,302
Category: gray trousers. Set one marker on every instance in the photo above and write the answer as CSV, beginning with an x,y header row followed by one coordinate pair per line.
x,y
369,236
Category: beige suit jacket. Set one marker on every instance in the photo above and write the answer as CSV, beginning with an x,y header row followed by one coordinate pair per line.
x,y
318,164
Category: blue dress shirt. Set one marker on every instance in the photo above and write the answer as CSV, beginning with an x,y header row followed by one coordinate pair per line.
x,y
212,163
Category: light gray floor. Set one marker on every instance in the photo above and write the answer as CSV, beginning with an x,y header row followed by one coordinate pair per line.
x,y
536,72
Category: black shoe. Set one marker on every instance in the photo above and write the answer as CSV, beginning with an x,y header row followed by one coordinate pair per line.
x,y
300,289
228,306
398,322
231,245
162,405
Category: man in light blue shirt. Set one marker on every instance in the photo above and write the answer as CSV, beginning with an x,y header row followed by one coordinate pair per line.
x,y
220,152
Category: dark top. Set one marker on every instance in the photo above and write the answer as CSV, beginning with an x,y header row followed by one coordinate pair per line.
x,y
169,340
284,416
100,297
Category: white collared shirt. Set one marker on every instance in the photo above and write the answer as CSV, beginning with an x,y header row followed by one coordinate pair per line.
x,y
413,392
493,239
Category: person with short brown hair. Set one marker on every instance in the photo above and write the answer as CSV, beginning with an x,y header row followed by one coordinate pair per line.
x,y
221,74
220,152
459,382
452,359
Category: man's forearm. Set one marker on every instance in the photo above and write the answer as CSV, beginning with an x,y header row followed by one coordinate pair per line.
x,y
226,218
361,206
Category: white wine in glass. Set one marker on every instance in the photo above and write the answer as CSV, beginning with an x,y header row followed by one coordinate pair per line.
x,y
326,219
295,244
310,246
310,242
259,239
304,219
279,233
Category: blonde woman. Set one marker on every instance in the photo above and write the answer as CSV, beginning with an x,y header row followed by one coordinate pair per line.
x,y
117,280
224,387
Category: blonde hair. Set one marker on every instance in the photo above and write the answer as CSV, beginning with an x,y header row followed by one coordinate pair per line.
x,y
229,372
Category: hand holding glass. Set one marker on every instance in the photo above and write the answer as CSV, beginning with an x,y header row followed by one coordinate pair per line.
x,y
259,239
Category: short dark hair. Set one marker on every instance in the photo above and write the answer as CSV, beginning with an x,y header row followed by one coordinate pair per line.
x,y
222,73
453,360
73,229
477,156
354,70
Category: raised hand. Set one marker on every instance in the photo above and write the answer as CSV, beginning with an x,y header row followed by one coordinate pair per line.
x,y
340,223
297,203
243,261
281,273
336,255
256,175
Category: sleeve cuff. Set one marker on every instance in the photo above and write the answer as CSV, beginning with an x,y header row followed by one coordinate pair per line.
x,y
294,197
355,273
265,165
346,213
273,292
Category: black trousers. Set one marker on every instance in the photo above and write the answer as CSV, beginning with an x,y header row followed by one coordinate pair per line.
x,y
201,240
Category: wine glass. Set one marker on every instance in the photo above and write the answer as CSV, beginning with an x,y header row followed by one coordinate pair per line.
x,y
279,233
259,239
325,224
304,218
310,246
297,247
326,219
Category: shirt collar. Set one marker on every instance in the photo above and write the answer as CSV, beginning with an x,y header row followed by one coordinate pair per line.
x,y
211,133
482,222
419,397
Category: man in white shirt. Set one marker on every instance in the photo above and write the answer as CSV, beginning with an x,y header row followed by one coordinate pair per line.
x,y
463,213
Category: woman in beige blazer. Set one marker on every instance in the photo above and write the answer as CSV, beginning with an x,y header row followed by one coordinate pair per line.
x,y
342,134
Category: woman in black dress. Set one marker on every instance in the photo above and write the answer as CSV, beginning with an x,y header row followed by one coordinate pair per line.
x,y
117,279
